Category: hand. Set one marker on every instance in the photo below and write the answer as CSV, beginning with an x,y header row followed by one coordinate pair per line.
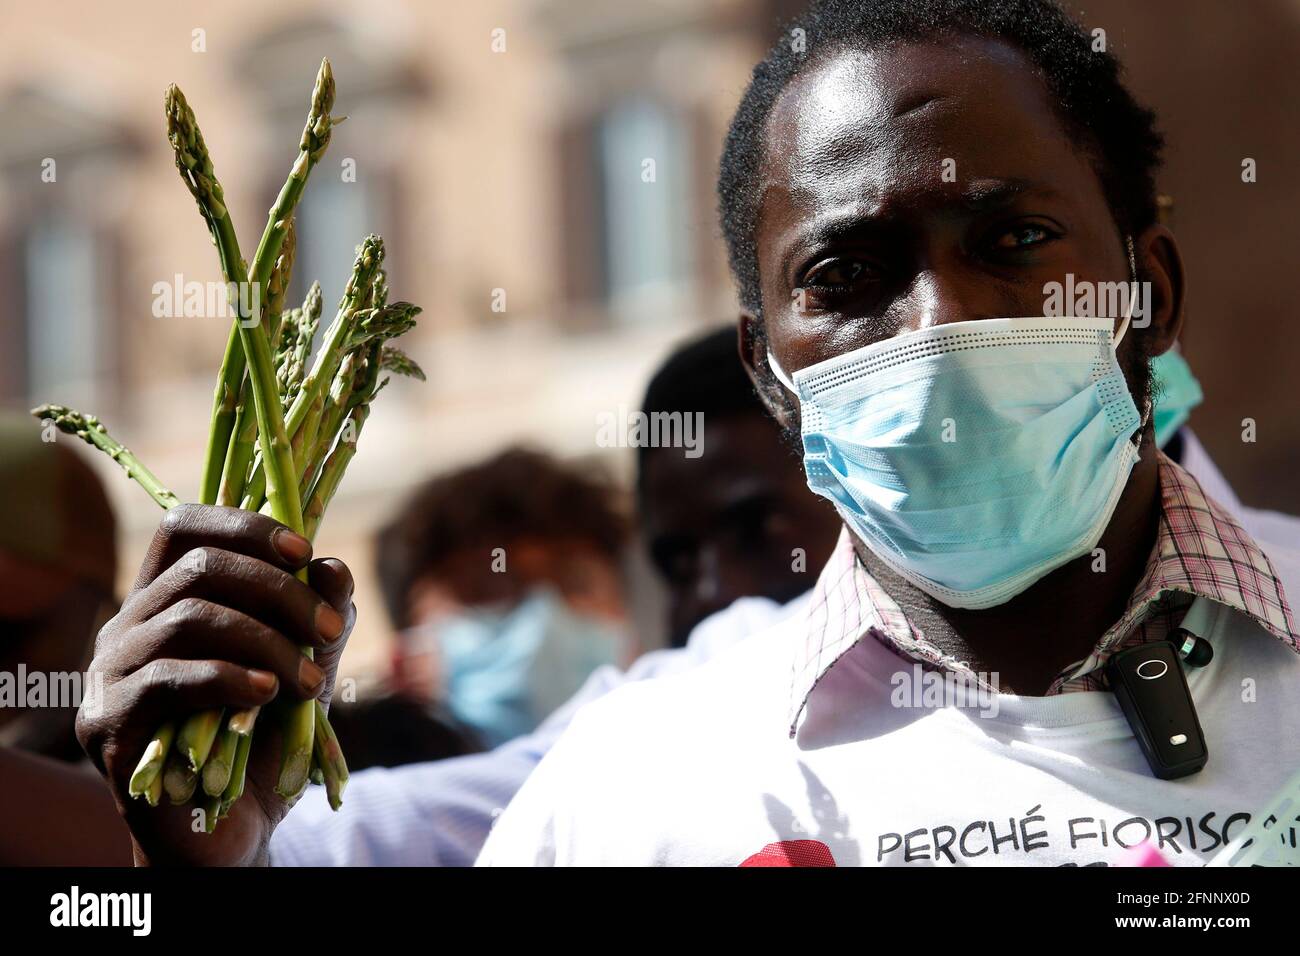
x,y
215,619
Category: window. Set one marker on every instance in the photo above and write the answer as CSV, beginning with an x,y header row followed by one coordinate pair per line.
x,y
66,308
643,160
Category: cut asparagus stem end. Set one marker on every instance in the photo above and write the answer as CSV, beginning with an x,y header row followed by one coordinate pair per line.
x,y
216,772
179,781
149,770
154,794
243,721
197,735
293,775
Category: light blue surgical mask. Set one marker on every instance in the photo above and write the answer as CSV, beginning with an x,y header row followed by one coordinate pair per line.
x,y
973,458
1177,393
506,670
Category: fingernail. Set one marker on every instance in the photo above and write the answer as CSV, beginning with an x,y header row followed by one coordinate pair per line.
x,y
263,682
293,547
329,623
309,675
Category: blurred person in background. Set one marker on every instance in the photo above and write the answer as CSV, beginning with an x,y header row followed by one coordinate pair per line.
x,y
1177,392
58,565
503,581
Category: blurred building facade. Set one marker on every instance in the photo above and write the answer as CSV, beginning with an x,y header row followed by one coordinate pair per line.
x,y
542,172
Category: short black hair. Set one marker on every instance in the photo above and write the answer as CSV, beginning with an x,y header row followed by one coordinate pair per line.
x,y
704,374
1119,135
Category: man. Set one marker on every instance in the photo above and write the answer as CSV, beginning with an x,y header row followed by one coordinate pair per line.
x,y
735,521
58,562
925,169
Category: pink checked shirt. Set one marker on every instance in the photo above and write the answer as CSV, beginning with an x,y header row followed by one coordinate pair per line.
x,y
1201,551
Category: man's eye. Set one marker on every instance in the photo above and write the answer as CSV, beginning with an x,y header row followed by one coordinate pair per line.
x,y
834,274
1023,237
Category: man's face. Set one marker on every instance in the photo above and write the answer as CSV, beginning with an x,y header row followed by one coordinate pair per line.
x,y
727,524
861,236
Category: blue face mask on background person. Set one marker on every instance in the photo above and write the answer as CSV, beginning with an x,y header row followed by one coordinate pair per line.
x,y
973,458
1177,392
506,670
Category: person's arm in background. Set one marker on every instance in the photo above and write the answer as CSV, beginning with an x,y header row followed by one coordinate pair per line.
x,y
437,813
58,814
440,813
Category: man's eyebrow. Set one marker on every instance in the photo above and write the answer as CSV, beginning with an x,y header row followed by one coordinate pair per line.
x,y
983,194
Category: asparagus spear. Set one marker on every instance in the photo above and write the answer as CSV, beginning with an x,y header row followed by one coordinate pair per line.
x,y
332,471
398,362
242,722
211,807
88,429
242,439
148,773
153,794
329,759
293,366
309,401
191,155
195,738
194,163
381,357
235,788
370,325
179,778
379,290
216,771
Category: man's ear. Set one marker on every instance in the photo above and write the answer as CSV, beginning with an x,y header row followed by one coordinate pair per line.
x,y
753,352
1160,263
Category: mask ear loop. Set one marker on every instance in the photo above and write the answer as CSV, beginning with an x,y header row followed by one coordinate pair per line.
x,y
1133,292
1123,328
779,372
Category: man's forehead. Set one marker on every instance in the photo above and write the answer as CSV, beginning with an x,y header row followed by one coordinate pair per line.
x,y
896,102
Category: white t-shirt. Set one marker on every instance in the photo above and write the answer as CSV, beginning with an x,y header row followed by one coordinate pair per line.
x,y
699,768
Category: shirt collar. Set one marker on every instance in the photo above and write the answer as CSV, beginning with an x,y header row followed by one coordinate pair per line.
x,y
1201,550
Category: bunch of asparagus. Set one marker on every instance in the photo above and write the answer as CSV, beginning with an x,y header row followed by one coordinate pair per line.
x,y
284,427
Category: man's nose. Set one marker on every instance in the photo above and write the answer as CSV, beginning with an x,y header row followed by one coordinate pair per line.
x,y
942,294
933,299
